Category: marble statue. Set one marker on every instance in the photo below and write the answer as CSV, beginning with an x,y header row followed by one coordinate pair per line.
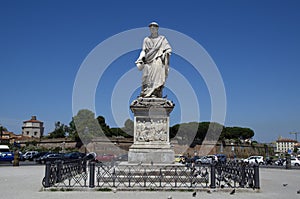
x,y
154,61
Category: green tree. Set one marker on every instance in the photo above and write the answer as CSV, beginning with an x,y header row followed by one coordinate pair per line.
x,y
105,128
59,131
173,130
237,133
73,134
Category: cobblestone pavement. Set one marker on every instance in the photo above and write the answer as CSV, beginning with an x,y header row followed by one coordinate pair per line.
x,y
25,182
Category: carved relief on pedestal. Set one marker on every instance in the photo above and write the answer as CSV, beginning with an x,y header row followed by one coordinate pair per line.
x,y
151,130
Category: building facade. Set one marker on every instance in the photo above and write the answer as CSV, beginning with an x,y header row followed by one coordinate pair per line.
x,y
284,145
7,137
33,128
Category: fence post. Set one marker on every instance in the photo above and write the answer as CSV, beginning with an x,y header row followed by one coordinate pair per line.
x,y
256,177
79,165
145,177
59,170
213,176
114,177
92,175
160,177
129,176
84,165
176,177
243,174
47,175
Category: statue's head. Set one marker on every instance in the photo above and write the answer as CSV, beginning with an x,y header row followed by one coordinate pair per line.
x,y
153,24
153,28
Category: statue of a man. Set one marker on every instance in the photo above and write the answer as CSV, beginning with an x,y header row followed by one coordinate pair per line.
x,y
154,61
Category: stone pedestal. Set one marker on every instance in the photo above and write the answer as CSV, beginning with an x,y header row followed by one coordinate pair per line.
x,y
151,131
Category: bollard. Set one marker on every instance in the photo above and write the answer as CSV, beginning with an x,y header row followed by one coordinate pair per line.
x,y
256,176
288,161
16,158
92,175
213,176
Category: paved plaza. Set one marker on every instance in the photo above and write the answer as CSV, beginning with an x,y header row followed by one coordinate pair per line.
x,y
25,182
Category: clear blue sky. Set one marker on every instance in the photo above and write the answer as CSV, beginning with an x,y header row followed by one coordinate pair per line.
x,y
255,45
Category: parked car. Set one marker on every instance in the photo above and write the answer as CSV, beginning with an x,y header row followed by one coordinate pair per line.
x,y
73,155
28,155
294,162
177,157
42,157
221,158
205,160
192,159
105,158
183,159
39,154
213,158
51,157
5,154
255,159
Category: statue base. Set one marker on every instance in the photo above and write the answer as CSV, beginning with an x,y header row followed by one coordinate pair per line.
x,y
147,155
151,131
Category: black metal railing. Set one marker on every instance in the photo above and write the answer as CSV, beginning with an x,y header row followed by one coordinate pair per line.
x,y
150,176
66,173
79,173
237,175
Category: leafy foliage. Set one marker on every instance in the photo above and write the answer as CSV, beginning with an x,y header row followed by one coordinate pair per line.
x,y
105,128
88,127
59,131
237,133
195,132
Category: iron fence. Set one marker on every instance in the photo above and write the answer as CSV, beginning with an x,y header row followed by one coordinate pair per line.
x,y
113,175
151,176
66,173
